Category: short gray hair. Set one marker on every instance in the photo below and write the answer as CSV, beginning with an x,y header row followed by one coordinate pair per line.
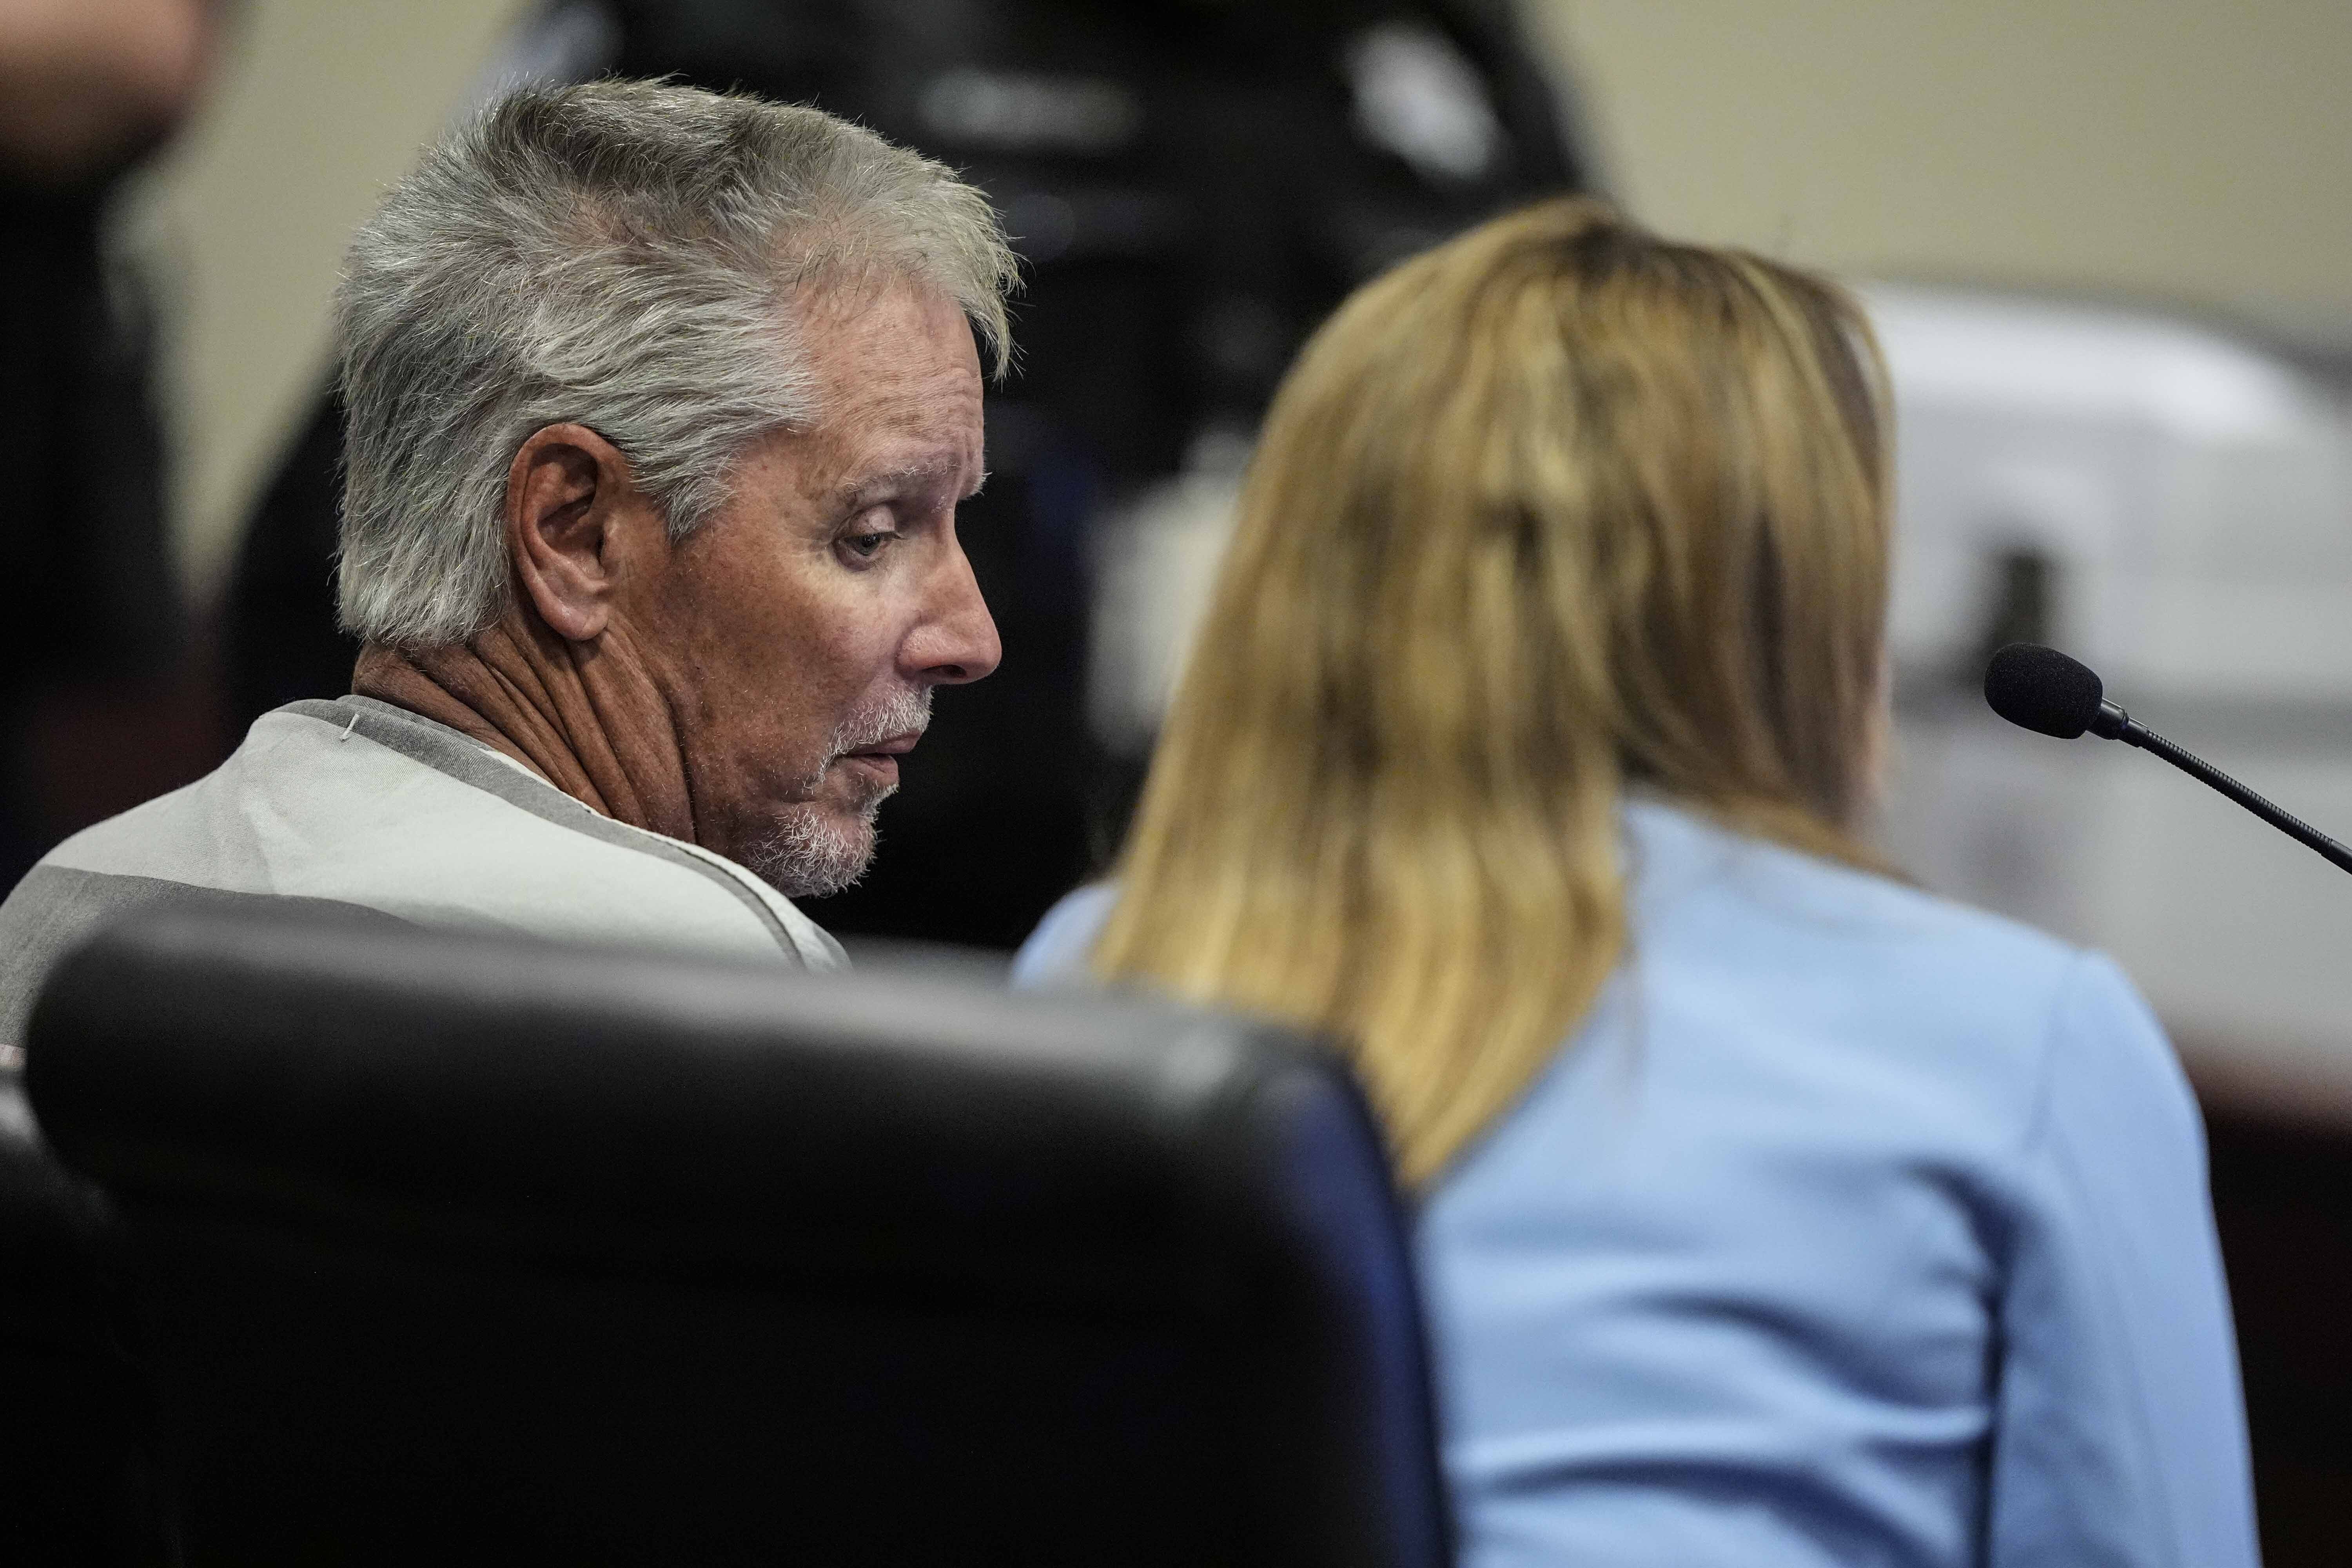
x,y
624,255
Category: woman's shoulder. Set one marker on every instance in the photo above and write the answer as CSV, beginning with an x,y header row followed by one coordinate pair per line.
x,y
1825,966
1752,961
1693,880
1055,952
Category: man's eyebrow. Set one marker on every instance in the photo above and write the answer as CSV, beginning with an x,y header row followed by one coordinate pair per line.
x,y
911,478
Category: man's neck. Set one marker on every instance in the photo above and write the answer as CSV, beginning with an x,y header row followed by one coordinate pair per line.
x,y
597,732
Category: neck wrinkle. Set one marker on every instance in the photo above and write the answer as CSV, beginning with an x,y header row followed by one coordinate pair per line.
x,y
590,730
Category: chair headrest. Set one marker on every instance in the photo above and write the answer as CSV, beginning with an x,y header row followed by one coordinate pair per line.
x,y
635,1109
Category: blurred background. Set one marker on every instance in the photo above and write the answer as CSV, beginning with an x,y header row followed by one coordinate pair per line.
x,y
2108,246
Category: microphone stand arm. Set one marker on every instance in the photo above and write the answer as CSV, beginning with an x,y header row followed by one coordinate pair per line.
x,y
2114,724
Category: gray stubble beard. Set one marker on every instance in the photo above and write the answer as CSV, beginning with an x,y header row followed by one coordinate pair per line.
x,y
811,853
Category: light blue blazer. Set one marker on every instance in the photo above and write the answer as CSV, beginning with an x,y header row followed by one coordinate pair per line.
x,y
1853,1227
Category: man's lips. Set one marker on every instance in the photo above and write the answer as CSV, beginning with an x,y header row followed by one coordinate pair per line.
x,y
880,759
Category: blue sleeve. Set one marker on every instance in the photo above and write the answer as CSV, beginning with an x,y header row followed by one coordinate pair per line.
x,y
2120,1430
1055,952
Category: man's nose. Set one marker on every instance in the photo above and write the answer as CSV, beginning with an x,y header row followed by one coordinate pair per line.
x,y
957,639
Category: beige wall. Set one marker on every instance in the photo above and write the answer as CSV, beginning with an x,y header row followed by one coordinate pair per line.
x,y
319,103
2192,149
2196,150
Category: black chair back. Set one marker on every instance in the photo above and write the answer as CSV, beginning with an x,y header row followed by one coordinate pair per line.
x,y
472,1248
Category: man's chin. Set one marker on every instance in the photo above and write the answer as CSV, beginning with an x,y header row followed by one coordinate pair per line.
x,y
814,851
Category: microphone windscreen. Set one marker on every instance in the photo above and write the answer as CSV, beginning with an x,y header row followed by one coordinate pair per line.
x,y
2043,689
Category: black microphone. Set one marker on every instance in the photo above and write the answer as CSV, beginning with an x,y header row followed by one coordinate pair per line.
x,y
2044,691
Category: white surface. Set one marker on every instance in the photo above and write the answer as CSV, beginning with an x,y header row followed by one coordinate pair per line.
x,y
2193,493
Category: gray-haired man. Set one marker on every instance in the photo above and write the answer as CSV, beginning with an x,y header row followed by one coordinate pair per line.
x,y
661,403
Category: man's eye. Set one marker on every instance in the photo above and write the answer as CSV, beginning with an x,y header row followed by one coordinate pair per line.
x,y
866,546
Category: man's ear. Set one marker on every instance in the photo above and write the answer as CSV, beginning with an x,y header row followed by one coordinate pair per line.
x,y
573,516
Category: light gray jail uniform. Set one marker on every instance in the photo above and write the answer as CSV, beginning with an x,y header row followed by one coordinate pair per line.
x,y
355,804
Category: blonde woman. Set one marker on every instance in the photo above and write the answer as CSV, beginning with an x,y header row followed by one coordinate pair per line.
x,y
1773,1212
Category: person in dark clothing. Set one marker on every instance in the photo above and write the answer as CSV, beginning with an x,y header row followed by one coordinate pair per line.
x,y
94,712
96,708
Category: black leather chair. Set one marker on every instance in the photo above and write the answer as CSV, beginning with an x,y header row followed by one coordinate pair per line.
x,y
464,1248
77,1485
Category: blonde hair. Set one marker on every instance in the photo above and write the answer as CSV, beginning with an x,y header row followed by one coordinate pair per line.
x,y
1552,508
